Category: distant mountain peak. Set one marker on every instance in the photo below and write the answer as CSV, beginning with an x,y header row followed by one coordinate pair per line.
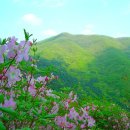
x,y
64,34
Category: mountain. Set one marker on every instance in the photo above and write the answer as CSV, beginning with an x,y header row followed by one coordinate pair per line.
x,y
98,64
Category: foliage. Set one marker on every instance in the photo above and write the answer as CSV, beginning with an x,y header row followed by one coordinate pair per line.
x,y
26,101
99,64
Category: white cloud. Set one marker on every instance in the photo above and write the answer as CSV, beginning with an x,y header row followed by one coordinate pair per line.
x,y
88,29
32,19
49,33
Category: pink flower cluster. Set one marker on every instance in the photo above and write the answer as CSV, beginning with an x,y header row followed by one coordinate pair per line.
x,y
9,103
14,50
71,98
63,123
75,118
12,76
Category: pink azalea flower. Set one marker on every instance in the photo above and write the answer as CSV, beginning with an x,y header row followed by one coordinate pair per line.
x,y
13,39
9,103
70,126
83,126
30,79
3,49
55,109
66,105
50,94
85,113
75,98
12,48
87,108
73,114
1,58
11,54
1,90
32,90
41,79
46,79
91,121
42,89
23,51
13,75
61,121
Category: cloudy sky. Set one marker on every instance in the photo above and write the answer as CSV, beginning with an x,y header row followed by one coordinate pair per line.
x,y
45,18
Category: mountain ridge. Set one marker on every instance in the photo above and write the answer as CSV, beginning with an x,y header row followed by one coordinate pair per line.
x,y
69,34
98,63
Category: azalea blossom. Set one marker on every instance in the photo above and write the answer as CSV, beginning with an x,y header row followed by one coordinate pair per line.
x,y
61,121
91,121
55,109
12,48
3,49
73,114
32,90
83,126
85,113
41,79
9,103
50,94
85,116
66,105
13,75
23,51
30,79
42,89
70,126
1,58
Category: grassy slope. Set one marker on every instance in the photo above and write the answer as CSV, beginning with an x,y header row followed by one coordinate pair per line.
x,y
100,64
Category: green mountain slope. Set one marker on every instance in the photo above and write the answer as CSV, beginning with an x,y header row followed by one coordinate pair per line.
x,y
99,64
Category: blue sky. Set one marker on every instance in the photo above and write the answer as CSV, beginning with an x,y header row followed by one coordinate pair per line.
x,y
45,18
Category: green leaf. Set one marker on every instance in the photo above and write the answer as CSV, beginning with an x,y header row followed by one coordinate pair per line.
x,y
1,98
3,41
4,118
24,129
8,110
35,112
66,89
2,127
49,116
26,35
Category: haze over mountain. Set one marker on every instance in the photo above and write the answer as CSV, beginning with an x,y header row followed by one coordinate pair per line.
x,y
99,64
